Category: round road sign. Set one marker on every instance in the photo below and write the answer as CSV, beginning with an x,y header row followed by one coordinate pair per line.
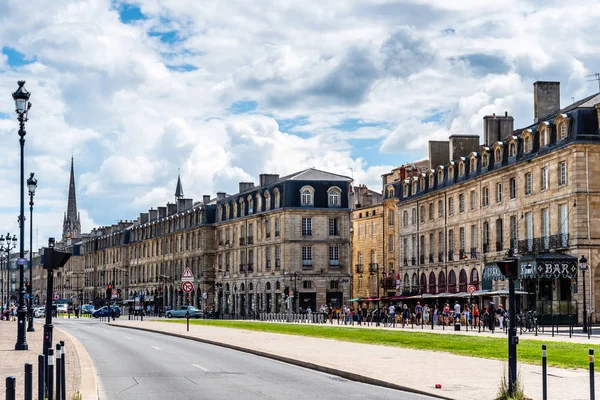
x,y
187,287
471,289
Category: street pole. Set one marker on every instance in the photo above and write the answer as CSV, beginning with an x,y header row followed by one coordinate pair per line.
x,y
512,337
31,184
583,267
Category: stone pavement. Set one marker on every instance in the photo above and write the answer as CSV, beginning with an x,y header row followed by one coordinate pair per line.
x,y
80,372
461,377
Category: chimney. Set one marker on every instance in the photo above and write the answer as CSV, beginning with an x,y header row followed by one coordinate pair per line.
x,y
206,199
162,212
153,215
266,179
143,218
171,209
438,153
221,196
496,129
184,204
507,126
463,145
243,186
546,99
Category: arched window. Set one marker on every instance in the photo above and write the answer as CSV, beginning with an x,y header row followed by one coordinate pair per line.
x,y
528,146
242,207
473,166
268,286
512,149
306,194
267,200
414,187
498,155
441,282
450,174
451,282
390,192
415,283
334,194
431,180
258,203
406,283
219,213
461,169
440,176
462,281
432,283
277,198
544,137
475,277
485,160
562,131
423,283
250,205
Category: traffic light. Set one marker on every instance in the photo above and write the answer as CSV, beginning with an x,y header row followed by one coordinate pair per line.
x,y
509,268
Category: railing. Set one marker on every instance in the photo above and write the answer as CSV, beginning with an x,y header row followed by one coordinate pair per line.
x,y
461,254
243,267
498,246
450,255
413,261
359,268
268,235
559,241
486,247
422,259
250,267
242,241
373,268
473,252
441,256
250,239
430,257
277,233
388,283
525,246
405,262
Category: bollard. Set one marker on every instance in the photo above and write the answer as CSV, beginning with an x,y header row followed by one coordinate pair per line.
x,y
544,374
589,326
11,384
28,381
41,373
592,390
50,374
58,372
63,368
187,317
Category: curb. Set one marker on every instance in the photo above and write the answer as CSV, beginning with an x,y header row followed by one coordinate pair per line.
x,y
316,367
89,386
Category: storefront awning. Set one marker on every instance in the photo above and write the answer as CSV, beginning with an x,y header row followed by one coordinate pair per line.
x,y
543,265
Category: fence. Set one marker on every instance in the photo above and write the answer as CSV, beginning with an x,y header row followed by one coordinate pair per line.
x,y
52,382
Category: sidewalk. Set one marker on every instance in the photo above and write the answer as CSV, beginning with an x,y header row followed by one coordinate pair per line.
x,y
461,377
80,372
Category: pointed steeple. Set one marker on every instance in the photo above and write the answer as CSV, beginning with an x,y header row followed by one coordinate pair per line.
x,y
179,188
71,224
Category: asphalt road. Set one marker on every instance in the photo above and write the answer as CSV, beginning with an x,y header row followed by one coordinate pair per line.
x,y
134,364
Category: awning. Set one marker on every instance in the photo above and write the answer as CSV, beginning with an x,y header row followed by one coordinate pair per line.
x,y
542,265
503,293
355,299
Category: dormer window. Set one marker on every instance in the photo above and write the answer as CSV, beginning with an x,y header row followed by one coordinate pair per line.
x,y
562,131
267,200
405,187
527,144
422,183
473,166
250,205
431,181
258,203
512,149
227,211
235,210
390,192
277,198
414,187
242,208
334,194
461,169
485,160
306,196
544,137
450,174
440,176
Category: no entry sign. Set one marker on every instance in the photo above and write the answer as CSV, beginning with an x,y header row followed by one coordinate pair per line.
x,y
187,287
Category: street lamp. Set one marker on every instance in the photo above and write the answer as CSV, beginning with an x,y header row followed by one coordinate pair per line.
x,y
583,267
11,243
31,185
21,98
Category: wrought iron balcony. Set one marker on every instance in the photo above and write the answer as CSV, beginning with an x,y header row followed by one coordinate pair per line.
x,y
405,261
360,268
441,256
498,246
430,258
450,255
525,246
413,261
388,283
250,239
268,235
250,267
542,244
373,267
242,241
276,233
462,254
486,247
473,252
559,241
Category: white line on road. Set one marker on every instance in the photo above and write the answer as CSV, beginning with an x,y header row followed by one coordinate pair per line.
x,y
157,348
201,367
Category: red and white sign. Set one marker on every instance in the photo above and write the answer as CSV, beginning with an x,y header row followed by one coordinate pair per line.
x,y
471,289
56,297
187,275
187,287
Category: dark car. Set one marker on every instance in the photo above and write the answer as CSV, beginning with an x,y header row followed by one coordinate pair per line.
x,y
103,312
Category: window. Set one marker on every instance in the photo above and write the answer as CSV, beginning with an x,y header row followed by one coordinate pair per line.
x,y
440,209
499,192
474,236
422,212
390,192
440,177
485,160
277,227
450,174
528,183
306,226
334,284
242,208
334,226
529,229
258,203
544,176
391,217
485,196
277,257
307,284
451,206
334,255
307,198
461,203
250,205
513,188
267,201
373,227
473,200
268,228
451,241
564,223
334,197
498,155
461,169
546,227
391,243
544,138
268,257
527,144
431,211
277,198
461,238
414,187
306,255
562,173
486,236
512,150
405,218
431,181
562,131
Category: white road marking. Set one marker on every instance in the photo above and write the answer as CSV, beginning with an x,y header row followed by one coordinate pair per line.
x,y
201,367
127,337
157,348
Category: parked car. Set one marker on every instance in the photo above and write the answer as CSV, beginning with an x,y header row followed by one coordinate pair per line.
x,y
103,312
87,309
39,312
62,308
181,311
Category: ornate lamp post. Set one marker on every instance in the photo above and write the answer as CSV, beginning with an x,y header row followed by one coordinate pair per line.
x,y
583,267
11,243
31,185
21,98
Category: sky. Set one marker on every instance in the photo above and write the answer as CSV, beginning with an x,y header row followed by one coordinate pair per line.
x,y
222,91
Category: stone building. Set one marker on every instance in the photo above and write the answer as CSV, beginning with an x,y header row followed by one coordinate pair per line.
x,y
530,190
289,232
367,247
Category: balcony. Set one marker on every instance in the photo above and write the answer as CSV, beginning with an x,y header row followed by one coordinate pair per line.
x,y
450,255
525,246
276,233
250,267
268,235
422,259
441,256
413,261
431,258
360,268
473,252
277,264
373,267
559,241
334,263
498,246
486,247
243,268
542,244
388,283
242,241
405,262
462,254
250,239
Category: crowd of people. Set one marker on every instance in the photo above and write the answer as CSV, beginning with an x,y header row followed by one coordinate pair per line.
x,y
9,313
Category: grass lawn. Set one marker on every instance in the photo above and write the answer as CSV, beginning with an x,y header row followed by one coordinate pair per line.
x,y
560,354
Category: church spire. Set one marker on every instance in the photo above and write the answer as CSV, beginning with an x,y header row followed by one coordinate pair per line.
x,y
179,188
71,223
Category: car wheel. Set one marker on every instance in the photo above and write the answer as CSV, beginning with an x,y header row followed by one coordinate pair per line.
x,y
169,315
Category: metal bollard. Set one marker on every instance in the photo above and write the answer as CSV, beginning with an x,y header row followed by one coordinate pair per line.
x,y
544,374
58,372
11,384
592,390
63,362
41,373
28,382
50,374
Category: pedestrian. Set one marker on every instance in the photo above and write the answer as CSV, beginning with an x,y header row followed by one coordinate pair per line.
x,y
419,312
405,315
392,311
500,313
358,315
426,314
446,314
13,312
491,316
436,314
308,310
475,315
330,313
466,313
456,312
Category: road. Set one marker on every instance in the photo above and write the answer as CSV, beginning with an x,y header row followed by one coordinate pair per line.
x,y
134,364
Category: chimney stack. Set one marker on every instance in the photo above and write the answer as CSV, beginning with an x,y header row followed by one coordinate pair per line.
x,y
206,199
243,186
496,129
463,145
438,153
265,179
546,99
221,196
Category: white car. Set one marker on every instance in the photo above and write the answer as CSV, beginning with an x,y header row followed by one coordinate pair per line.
x,y
39,312
62,308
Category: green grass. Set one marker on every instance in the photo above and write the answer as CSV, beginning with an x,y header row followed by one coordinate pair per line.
x,y
560,354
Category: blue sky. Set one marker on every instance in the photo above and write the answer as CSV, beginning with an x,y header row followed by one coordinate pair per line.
x,y
139,90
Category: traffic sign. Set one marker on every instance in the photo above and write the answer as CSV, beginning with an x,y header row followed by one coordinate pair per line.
x,y
56,297
115,294
187,287
187,275
471,289
21,261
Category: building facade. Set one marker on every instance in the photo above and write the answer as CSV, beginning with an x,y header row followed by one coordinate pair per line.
x,y
367,248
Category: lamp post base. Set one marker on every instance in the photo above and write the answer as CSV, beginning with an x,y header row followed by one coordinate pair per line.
x,y
30,327
21,336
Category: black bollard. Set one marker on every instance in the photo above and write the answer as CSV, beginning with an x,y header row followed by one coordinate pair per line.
x,y
592,390
544,374
41,374
28,382
50,374
63,368
187,317
58,369
11,384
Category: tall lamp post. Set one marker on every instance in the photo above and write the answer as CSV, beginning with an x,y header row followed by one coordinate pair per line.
x,y
21,98
11,243
583,267
31,185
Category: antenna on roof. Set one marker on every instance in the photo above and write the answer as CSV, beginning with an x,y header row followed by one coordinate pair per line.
x,y
351,172
596,78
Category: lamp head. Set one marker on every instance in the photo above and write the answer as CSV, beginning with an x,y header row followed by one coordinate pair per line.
x,y
583,263
32,183
21,98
